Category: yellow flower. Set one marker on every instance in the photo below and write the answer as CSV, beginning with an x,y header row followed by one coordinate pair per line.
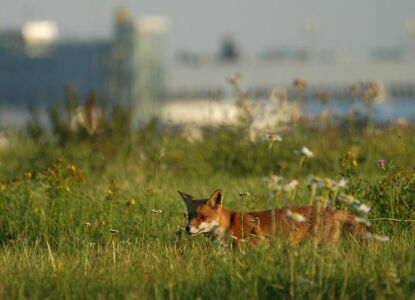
x,y
354,162
28,175
131,202
110,194
72,169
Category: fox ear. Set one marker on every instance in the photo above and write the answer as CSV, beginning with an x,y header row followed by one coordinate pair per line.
x,y
216,199
186,197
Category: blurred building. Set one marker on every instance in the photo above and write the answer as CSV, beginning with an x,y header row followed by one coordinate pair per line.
x,y
122,63
150,62
131,69
35,66
138,64
39,37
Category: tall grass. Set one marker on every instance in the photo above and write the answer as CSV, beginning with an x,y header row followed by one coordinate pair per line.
x,y
97,215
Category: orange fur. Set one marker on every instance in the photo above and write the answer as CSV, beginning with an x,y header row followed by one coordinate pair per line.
x,y
325,224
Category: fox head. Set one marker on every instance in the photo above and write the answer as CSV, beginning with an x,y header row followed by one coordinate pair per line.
x,y
203,214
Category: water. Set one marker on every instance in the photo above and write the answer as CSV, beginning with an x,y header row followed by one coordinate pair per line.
x,y
389,110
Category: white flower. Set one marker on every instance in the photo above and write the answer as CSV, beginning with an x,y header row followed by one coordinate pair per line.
x,y
271,194
156,211
297,217
327,183
313,180
363,208
348,199
291,185
272,180
304,151
342,183
244,194
373,236
271,137
362,221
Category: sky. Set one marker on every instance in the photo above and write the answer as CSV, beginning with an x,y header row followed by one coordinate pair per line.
x,y
200,25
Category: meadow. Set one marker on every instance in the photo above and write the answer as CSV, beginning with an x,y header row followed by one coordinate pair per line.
x,y
98,216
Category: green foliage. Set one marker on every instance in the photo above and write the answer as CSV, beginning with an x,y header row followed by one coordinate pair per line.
x,y
98,216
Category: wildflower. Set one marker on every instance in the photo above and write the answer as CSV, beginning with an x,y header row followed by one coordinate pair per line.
x,y
373,236
297,217
72,169
131,202
271,137
327,183
272,178
374,91
363,221
28,175
156,211
354,162
300,83
350,200
291,185
313,180
381,164
304,151
363,208
3,186
244,194
346,197
274,194
110,194
342,183
114,231
333,185
273,181
87,224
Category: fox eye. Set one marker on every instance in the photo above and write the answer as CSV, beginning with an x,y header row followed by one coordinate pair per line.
x,y
202,217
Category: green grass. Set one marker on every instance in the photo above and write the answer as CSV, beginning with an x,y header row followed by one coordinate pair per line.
x,y
56,221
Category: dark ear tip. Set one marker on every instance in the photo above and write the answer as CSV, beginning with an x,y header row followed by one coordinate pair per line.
x,y
185,196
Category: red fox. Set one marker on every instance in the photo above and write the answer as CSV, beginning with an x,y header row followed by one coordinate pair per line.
x,y
292,224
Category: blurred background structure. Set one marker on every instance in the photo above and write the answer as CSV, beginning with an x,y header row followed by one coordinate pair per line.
x,y
141,65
